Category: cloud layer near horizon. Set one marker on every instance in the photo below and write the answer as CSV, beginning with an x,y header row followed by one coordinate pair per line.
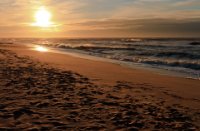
x,y
103,18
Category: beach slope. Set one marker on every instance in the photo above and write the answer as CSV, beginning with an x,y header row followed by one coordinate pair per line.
x,y
52,91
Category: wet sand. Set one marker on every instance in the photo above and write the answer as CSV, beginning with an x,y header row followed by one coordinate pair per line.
x,y
50,91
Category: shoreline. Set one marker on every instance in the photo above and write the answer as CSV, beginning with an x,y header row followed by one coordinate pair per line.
x,y
130,65
165,71
55,91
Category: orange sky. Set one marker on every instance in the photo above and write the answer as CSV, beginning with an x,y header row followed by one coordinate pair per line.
x,y
101,18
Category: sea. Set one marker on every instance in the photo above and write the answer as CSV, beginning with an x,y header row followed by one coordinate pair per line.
x,y
174,56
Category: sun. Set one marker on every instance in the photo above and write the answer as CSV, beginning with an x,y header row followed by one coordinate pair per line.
x,y
43,18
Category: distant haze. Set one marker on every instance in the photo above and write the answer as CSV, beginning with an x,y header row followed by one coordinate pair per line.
x,y
102,18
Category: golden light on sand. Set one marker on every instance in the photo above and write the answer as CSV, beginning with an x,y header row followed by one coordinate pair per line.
x,y
43,18
41,49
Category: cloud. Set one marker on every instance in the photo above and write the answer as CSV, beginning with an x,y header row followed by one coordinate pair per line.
x,y
186,3
105,17
142,27
159,9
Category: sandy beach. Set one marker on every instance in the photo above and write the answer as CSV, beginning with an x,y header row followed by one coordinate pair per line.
x,y
52,91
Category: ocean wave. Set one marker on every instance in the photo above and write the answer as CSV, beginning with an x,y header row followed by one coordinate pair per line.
x,y
154,61
184,53
138,50
194,43
132,40
178,55
82,47
163,62
194,66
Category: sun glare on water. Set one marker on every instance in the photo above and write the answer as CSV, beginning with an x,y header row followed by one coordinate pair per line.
x,y
43,18
41,49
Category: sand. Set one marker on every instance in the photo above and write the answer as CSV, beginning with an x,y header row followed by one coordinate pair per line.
x,y
51,91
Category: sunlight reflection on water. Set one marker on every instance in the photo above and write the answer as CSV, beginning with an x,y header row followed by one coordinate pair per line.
x,y
41,49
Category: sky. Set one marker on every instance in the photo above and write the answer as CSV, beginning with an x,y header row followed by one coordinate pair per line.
x,y
102,18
